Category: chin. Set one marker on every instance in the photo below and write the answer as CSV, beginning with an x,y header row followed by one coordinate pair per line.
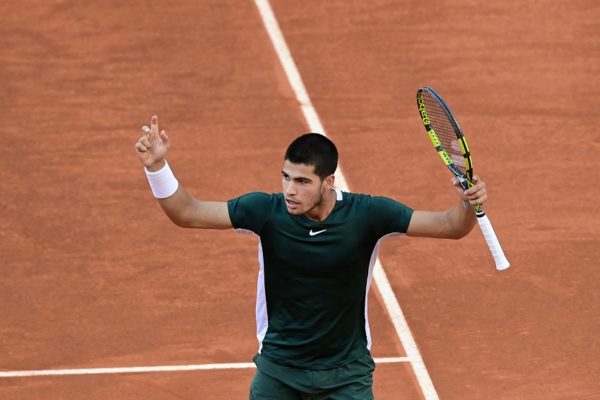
x,y
295,212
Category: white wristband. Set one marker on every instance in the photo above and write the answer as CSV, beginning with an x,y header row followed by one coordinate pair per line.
x,y
162,182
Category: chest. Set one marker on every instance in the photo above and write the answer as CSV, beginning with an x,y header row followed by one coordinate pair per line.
x,y
303,248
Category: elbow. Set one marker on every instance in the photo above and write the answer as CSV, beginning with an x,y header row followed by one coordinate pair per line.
x,y
181,224
180,220
460,232
458,235
456,230
177,221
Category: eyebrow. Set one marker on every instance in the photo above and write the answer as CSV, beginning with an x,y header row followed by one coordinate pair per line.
x,y
297,178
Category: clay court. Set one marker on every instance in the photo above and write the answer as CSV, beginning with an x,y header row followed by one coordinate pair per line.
x,y
95,277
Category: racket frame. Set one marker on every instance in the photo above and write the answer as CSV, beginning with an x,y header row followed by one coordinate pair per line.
x,y
465,179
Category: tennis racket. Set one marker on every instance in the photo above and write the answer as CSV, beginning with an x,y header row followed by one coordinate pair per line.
x,y
450,143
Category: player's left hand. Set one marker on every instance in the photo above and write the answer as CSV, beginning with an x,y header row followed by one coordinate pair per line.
x,y
475,195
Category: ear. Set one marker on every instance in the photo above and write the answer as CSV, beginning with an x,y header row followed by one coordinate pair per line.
x,y
330,181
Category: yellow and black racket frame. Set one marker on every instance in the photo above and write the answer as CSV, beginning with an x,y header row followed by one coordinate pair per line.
x,y
466,180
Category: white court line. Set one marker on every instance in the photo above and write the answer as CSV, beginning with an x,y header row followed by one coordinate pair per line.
x,y
314,123
157,368
123,370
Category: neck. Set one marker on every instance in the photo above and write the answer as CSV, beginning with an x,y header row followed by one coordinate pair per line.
x,y
324,208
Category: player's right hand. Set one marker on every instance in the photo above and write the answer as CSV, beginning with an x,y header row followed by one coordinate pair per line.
x,y
152,147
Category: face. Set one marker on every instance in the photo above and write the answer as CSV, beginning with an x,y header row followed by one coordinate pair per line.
x,y
302,188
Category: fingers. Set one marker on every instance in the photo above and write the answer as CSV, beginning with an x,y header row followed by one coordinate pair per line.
x,y
143,144
151,136
151,132
154,124
476,194
164,136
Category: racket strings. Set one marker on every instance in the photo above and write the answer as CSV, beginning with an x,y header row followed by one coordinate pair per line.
x,y
444,130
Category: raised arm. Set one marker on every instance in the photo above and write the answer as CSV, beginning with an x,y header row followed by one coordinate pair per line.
x,y
453,223
179,205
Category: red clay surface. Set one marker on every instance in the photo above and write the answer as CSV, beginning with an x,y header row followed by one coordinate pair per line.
x,y
93,275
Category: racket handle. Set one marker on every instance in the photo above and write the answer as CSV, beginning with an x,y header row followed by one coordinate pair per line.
x,y
492,242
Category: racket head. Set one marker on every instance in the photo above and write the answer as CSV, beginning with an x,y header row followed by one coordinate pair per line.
x,y
445,134
450,143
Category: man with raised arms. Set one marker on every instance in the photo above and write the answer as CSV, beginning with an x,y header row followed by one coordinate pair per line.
x,y
317,251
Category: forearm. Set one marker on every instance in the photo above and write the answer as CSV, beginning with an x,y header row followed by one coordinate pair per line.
x,y
178,207
453,223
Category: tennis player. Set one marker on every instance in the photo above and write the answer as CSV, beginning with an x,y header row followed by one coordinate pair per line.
x,y
317,248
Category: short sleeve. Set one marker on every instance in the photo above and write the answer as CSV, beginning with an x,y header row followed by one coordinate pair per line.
x,y
389,216
250,211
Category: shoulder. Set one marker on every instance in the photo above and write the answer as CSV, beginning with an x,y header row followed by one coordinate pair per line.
x,y
385,215
359,199
256,197
371,202
255,200
252,210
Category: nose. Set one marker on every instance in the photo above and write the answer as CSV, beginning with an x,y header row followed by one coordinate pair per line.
x,y
289,189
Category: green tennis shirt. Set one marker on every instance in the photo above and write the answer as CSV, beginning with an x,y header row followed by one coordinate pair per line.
x,y
314,276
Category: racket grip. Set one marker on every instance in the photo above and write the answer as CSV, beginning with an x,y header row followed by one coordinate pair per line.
x,y
492,242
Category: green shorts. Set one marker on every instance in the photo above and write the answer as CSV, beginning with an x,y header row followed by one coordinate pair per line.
x,y
348,382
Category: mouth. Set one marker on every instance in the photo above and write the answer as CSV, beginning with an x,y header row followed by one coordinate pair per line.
x,y
291,204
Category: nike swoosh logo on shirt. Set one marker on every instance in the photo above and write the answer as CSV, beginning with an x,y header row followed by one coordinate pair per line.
x,y
311,233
